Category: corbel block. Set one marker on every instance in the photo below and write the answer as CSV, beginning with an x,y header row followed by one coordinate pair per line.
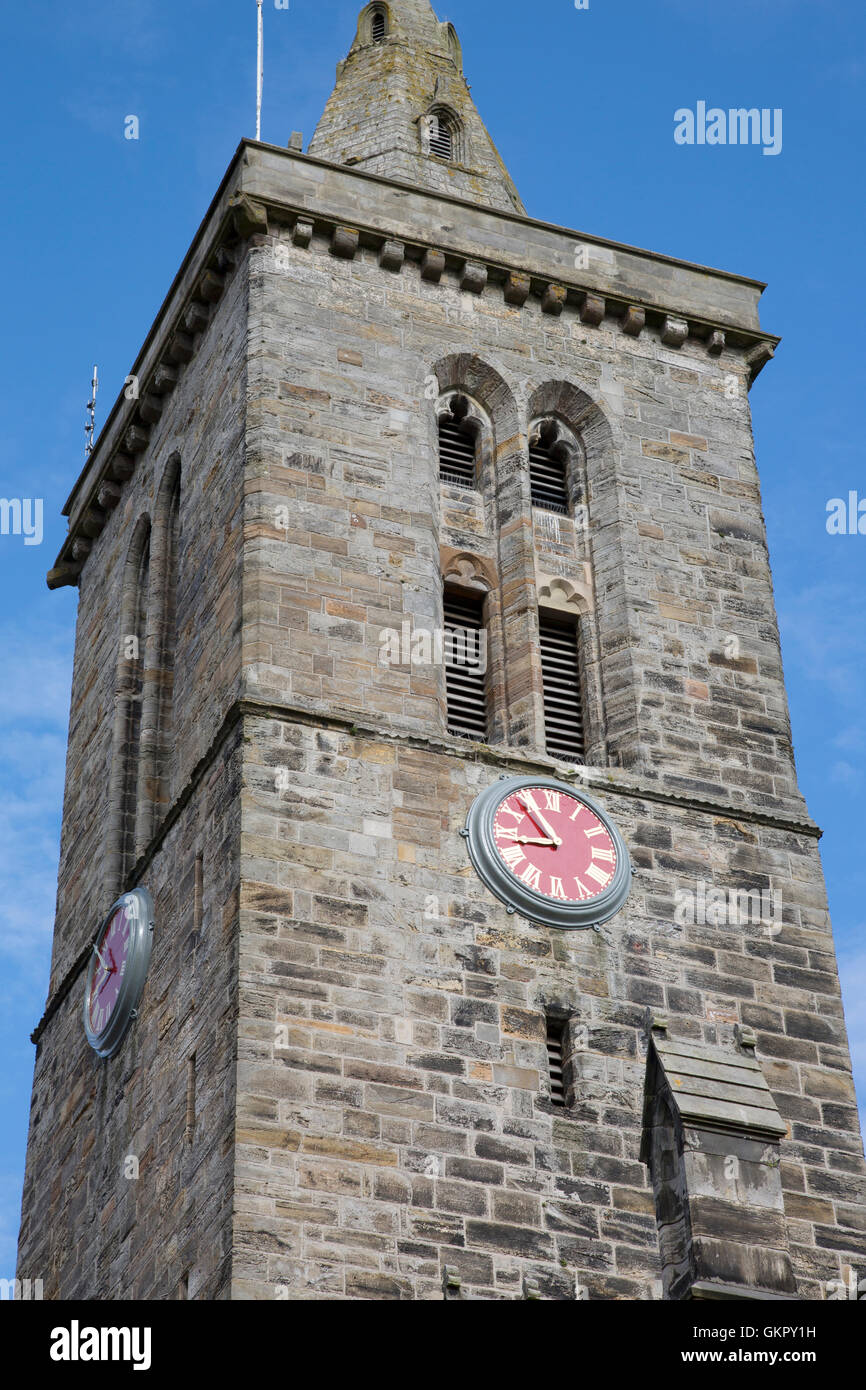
x,y
473,277
344,243
674,331
433,265
592,310
517,289
553,300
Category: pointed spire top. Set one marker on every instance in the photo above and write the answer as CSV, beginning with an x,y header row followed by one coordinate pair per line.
x,y
402,108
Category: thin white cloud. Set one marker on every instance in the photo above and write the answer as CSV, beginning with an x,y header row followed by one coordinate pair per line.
x,y
824,634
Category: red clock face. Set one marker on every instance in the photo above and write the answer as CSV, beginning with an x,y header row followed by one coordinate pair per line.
x,y
554,844
113,951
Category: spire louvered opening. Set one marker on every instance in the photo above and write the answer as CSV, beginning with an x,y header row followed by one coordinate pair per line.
x,y
378,27
555,1052
441,135
456,453
547,478
563,697
465,666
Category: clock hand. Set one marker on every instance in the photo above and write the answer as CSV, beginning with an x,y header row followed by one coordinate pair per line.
x,y
540,823
99,957
526,840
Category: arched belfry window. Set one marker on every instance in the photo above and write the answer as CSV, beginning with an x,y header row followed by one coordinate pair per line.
x,y
378,24
157,716
459,436
549,454
129,686
443,132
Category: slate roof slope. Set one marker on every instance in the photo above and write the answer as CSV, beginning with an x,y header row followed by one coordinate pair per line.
x,y
712,1088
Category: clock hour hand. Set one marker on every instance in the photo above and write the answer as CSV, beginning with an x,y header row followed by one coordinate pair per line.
x,y
527,840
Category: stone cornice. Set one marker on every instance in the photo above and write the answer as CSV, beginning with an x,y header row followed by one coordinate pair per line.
x,y
260,193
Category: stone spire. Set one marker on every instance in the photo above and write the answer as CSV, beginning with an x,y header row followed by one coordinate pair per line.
x,y
402,108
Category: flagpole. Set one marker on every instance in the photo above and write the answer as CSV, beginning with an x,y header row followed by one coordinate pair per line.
x,y
260,72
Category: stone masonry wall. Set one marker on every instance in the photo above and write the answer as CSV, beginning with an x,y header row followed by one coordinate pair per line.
x,y
88,1231
346,520
393,1098
392,1109
204,424
120,1201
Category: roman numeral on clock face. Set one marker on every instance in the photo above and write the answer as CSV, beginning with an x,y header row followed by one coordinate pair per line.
x,y
596,830
552,800
597,875
606,855
531,876
513,856
556,888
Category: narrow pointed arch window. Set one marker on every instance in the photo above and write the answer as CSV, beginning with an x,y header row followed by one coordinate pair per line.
x,y
458,445
563,687
466,664
123,794
157,729
548,469
378,25
444,134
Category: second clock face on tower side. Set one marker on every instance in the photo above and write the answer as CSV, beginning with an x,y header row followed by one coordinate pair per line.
x,y
117,971
548,852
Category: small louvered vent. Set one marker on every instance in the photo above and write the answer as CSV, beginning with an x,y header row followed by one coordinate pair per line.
x,y
563,703
547,480
456,454
465,674
441,138
378,28
555,1046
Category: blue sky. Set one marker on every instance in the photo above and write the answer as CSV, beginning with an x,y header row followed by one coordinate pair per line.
x,y
581,104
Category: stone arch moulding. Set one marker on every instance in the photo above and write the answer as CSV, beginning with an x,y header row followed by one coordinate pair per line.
x,y
466,374
572,597
453,44
442,113
465,409
463,570
366,18
566,401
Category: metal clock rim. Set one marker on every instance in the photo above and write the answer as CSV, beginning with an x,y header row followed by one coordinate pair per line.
x,y
106,1043
486,861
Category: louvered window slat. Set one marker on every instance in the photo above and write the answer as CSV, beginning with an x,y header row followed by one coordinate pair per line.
x,y
466,685
547,481
456,455
378,28
441,138
555,1044
563,696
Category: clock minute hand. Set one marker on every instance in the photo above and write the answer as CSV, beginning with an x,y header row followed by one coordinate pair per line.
x,y
538,819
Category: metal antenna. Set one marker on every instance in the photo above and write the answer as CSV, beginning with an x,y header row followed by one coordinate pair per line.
x,y
260,72
91,409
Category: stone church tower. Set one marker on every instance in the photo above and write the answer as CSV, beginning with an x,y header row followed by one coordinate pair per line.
x,y
380,401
